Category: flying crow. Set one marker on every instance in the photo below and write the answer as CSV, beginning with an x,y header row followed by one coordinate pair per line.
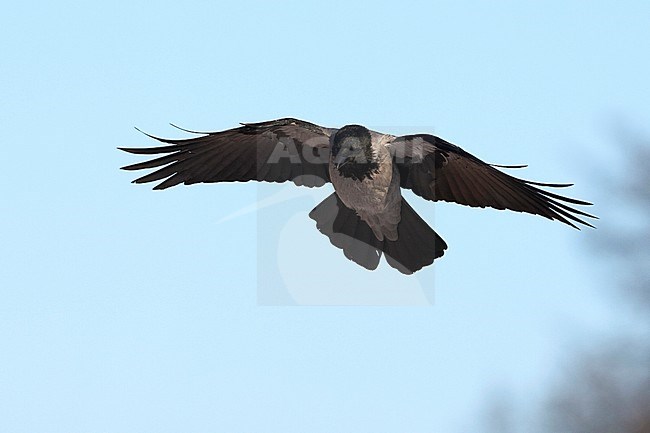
x,y
366,215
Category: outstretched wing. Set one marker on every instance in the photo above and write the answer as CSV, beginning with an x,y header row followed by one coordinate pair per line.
x,y
438,170
274,151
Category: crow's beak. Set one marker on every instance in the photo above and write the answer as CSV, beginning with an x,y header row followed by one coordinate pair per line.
x,y
340,159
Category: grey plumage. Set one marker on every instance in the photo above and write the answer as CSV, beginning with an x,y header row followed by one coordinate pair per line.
x,y
367,215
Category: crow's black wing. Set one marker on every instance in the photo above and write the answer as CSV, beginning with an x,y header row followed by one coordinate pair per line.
x,y
438,170
274,151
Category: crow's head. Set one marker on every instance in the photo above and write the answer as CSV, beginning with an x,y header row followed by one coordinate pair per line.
x,y
352,153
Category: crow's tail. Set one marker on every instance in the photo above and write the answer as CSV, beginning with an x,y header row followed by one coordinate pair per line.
x,y
417,245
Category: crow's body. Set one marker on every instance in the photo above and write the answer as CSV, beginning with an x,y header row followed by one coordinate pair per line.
x,y
377,197
366,215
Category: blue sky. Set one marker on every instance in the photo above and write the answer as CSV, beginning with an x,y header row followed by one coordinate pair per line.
x,y
127,310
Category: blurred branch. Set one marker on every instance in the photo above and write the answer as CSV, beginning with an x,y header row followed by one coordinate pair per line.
x,y
607,389
604,391
624,235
